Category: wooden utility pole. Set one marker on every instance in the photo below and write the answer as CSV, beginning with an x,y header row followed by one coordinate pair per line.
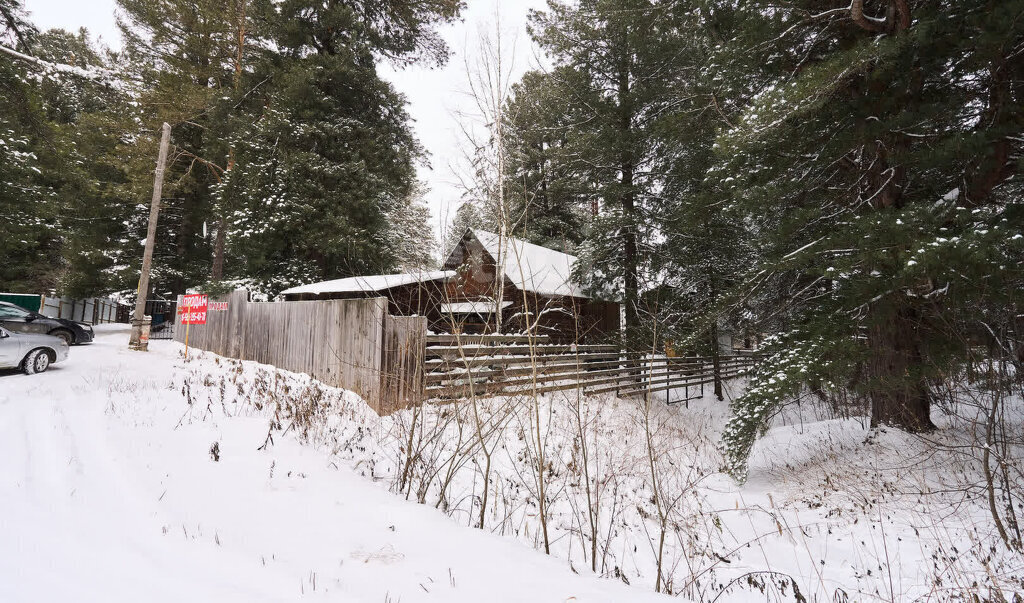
x,y
140,330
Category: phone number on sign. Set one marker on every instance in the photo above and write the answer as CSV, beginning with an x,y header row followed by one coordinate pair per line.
x,y
194,317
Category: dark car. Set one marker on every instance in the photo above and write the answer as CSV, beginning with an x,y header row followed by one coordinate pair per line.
x,y
16,318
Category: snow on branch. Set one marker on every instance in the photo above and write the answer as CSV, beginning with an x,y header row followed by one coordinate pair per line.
x,y
865,21
94,73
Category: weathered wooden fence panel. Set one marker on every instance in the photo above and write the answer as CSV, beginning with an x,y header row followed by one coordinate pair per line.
x,y
402,362
336,341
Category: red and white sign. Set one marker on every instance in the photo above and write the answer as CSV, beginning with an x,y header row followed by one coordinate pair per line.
x,y
218,306
193,309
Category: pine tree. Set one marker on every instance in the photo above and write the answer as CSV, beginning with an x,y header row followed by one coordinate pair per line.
x,y
291,151
28,237
704,248
59,174
26,201
410,233
875,157
548,199
327,156
87,120
620,57
16,31
182,52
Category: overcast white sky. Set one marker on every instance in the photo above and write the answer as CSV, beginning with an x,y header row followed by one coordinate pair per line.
x,y
435,95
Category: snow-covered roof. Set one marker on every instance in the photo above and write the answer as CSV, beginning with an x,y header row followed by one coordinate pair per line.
x,y
472,307
375,282
532,267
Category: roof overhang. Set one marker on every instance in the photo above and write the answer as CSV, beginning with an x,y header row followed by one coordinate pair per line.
x,y
472,307
370,283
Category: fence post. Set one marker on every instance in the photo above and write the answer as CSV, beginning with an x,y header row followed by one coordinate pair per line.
x,y
701,361
668,378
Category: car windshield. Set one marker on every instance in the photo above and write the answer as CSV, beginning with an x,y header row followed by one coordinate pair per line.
x,y
7,311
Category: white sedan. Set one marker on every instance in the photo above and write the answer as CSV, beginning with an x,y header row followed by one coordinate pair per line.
x,y
32,353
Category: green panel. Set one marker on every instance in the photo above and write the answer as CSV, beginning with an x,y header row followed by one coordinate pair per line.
x,y
28,301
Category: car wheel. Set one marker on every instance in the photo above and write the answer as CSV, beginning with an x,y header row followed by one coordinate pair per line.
x,y
37,361
67,336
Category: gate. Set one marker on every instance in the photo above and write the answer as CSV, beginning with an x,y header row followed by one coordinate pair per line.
x,y
164,313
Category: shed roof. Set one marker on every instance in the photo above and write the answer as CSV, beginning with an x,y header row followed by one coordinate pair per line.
x,y
531,267
375,282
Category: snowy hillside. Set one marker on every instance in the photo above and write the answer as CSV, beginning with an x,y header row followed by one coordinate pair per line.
x,y
145,477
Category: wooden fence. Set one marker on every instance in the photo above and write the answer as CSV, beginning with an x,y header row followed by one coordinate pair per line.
x,y
458,367
339,342
393,363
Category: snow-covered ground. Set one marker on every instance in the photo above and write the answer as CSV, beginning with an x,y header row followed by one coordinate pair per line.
x,y
109,492
143,477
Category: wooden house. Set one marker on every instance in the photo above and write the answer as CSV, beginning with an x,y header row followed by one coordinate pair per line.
x,y
529,286
488,284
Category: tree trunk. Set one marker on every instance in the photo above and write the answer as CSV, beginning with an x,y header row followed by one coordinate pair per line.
x,y
716,362
627,167
217,273
217,270
716,356
629,248
897,389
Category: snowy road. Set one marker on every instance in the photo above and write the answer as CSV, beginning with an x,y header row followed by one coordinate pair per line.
x,y
105,497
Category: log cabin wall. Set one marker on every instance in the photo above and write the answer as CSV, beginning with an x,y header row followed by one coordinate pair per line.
x,y
564,319
475,272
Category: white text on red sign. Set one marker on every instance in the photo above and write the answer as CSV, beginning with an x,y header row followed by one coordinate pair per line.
x,y
194,301
195,318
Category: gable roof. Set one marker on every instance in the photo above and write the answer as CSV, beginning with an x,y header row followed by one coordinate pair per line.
x,y
375,282
530,267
